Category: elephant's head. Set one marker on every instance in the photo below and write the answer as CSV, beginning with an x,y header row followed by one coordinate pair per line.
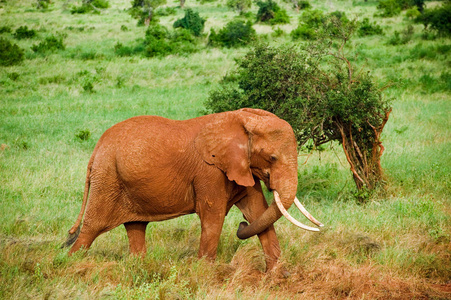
x,y
252,143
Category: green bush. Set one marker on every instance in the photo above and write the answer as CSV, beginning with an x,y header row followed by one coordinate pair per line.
x,y
24,33
389,8
317,94
5,29
191,21
50,44
239,5
270,12
10,54
42,4
366,28
143,10
304,32
234,34
401,38
90,6
437,19
160,42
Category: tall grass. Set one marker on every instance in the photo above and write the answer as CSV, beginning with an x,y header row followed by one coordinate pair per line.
x,y
55,106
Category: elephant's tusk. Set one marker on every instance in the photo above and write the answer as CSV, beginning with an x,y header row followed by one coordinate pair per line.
x,y
306,213
288,216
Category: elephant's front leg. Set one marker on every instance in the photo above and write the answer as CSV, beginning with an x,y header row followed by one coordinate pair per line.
x,y
211,214
252,206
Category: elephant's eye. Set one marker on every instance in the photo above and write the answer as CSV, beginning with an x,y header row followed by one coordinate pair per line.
x,y
273,158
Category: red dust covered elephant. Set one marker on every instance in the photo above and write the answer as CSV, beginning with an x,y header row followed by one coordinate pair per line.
x,y
149,168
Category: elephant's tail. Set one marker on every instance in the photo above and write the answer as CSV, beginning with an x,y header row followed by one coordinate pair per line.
x,y
75,230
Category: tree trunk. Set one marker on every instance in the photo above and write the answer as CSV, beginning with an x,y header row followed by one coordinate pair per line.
x,y
364,158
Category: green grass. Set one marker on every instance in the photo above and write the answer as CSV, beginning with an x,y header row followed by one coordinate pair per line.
x,y
55,106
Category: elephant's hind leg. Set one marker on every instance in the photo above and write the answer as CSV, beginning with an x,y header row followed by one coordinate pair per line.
x,y
136,232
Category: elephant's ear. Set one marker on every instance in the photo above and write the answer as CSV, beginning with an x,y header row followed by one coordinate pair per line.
x,y
225,144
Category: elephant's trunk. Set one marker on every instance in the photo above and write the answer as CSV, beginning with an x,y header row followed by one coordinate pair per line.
x,y
275,211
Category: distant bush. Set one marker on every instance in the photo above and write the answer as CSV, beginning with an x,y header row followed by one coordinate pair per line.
x,y
50,44
90,6
160,42
389,8
239,5
24,33
303,32
270,12
401,38
234,34
314,23
165,11
42,4
10,54
437,19
366,28
143,10
5,29
413,13
191,21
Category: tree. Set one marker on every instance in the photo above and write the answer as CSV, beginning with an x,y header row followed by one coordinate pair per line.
x,y
191,21
314,88
143,10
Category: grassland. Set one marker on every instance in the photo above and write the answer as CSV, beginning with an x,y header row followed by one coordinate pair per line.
x,y
55,106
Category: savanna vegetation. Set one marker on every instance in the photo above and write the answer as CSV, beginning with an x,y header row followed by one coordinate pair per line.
x,y
71,69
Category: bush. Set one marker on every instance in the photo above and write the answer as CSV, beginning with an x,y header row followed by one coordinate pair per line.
x,y
366,28
191,21
50,44
304,32
401,38
437,19
89,6
160,42
10,54
5,29
42,4
318,94
389,8
24,33
413,13
234,34
270,12
143,10
239,5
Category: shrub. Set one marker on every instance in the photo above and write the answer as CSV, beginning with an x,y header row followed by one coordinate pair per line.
x,y
389,8
366,28
50,44
160,42
24,33
401,38
413,13
304,32
165,11
239,5
318,94
234,34
10,54
437,19
191,21
5,29
42,4
90,6
143,10
270,12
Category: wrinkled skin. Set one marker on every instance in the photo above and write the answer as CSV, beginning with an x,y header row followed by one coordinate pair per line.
x,y
150,168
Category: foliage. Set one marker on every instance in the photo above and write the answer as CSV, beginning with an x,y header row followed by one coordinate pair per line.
x,y
160,42
389,8
367,29
270,12
24,33
401,38
42,4
239,5
50,44
235,34
314,88
10,54
143,10
191,21
314,23
5,29
437,19
90,6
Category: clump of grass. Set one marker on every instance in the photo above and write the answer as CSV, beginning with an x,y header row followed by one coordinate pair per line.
x,y
24,33
83,135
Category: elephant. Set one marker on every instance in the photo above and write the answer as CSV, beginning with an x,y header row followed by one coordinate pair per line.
x,y
149,168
